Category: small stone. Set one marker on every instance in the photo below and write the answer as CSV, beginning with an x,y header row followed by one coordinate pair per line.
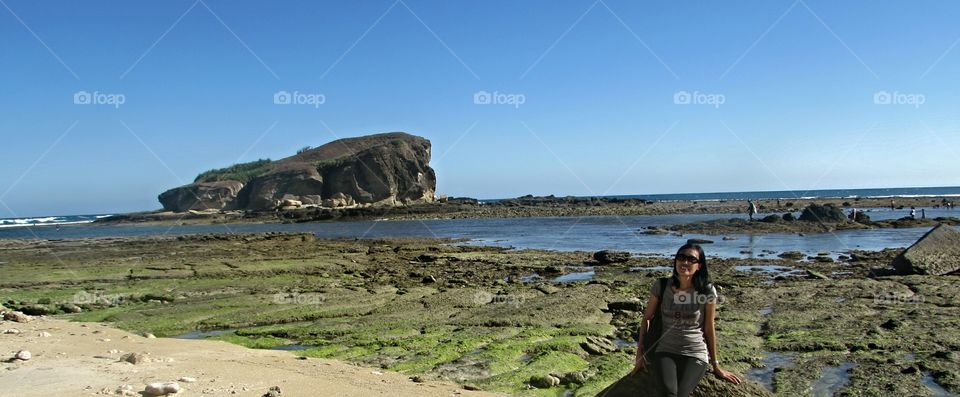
x,y
161,389
187,379
70,308
149,336
113,351
133,358
417,379
23,355
104,339
11,331
468,386
273,392
44,334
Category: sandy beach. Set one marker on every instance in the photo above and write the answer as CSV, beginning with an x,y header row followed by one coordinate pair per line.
x,y
84,359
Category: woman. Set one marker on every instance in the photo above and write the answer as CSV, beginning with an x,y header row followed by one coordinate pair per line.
x,y
689,339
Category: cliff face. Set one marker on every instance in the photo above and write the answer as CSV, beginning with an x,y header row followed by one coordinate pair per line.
x,y
382,169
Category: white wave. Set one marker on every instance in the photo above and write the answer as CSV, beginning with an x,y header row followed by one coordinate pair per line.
x,y
41,224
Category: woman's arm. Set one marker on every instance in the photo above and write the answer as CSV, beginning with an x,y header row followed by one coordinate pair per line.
x,y
648,314
710,334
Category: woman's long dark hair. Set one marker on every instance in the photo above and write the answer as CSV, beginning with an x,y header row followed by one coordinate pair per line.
x,y
701,279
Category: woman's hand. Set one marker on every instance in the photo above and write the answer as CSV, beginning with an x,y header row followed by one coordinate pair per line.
x,y
726,375
639,362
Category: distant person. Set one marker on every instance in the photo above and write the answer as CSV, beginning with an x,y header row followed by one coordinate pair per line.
x,y
913,212
853,215
923,213
689,338
751,209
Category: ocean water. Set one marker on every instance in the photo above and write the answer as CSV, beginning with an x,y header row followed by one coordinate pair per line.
x,y
552,233
50,220
952,191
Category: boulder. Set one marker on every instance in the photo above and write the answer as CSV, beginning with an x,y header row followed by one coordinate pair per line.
x,y
200,196
597,346
936,253
544,381
789,217
17,317
646,383
823,213
382,169
607,257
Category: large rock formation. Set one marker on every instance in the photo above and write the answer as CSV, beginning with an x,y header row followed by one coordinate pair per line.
x,y
937,253
382,169
823,213
200,196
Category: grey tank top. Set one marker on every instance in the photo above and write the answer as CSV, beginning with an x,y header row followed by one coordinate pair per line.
x,y
683,317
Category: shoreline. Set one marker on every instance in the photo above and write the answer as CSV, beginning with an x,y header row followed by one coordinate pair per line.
x,y
523,207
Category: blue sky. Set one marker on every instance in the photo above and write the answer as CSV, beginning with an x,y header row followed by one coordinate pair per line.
x,y
618,97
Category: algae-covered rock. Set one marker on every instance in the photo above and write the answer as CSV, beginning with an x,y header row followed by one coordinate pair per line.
x,y
936,253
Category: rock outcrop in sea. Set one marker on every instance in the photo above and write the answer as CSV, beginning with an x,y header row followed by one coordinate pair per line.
x,y
382,169
936,253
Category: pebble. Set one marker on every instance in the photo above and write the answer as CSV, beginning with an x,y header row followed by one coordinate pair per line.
x,y
134,358
44,334
149,336
161,389
23,355
11,331
187,379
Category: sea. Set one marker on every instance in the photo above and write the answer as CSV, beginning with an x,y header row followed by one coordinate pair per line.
x,y
588,233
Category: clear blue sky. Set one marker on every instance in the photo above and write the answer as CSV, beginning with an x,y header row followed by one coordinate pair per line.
x,y
797,82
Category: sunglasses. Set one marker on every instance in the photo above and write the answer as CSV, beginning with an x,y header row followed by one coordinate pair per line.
x,y
687,258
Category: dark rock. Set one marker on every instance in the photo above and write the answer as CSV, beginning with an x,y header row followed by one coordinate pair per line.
x,y
891,324
469,386
795,255
789,217
816,275
699,241
134,358
381,169
607,257
429,280
646,383
909,370
771,219
936,253
823,213
630,305
200,196
36,310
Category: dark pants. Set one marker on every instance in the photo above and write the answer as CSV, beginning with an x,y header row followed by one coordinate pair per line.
x,y
679,374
